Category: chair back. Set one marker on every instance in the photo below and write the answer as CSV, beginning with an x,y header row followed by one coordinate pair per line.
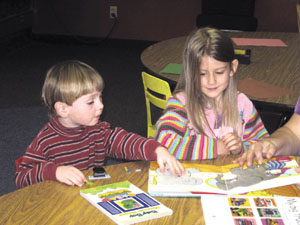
x,y
157,92
273,115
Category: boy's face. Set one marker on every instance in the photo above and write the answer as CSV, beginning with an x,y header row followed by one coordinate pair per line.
x,y
86,110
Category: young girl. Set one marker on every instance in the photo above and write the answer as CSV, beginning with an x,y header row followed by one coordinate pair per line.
x,y
207,116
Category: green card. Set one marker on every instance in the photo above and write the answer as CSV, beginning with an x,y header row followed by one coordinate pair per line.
x,y
173,68
89,182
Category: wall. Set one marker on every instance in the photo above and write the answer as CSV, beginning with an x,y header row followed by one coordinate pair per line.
x,y
140,20
153,20
276,15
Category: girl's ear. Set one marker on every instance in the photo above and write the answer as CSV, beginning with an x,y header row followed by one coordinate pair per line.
x,y
234,66
61,109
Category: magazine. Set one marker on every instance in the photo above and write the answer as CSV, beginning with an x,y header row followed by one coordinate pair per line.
x,y
250,210
229,179
125,203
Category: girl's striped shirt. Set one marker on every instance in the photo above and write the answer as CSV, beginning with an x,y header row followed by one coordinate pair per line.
x,y
174,131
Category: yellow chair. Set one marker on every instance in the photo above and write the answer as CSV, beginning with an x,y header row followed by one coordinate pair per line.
x,y
157,92
298,15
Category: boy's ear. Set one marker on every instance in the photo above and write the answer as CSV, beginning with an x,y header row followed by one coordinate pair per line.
x,y
234,65
61,109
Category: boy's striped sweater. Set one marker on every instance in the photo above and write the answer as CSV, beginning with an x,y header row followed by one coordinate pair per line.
x,y
83,147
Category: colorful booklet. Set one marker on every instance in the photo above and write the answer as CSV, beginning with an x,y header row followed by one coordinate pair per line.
x,y
229,179
125,203
233,210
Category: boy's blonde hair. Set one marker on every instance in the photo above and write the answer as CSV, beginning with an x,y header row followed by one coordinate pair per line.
x,y
216,44
67,81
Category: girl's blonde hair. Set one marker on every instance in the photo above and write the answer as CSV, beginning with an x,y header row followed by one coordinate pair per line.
x,y
216,44
69,80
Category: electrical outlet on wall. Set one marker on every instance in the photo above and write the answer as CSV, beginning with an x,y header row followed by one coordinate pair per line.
x,y
113,12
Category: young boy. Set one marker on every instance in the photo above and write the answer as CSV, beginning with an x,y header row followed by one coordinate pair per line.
x,y
74,139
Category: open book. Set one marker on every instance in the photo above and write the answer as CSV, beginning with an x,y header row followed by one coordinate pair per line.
x,y
223,180
125,203
233,210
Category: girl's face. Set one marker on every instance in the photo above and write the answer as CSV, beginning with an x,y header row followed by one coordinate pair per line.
x,y
215,76
86,110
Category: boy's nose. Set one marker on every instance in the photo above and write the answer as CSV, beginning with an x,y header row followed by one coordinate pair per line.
x,y
100,104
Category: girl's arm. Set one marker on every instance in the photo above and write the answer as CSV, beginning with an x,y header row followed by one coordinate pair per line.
x,y
172,132
194,147
254,130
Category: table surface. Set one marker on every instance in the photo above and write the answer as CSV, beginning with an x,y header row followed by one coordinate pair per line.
x,y
279,66
51,202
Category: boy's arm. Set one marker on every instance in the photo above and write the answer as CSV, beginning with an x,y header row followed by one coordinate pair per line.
x,y
34,167
119,143
122,144
30,172
166,159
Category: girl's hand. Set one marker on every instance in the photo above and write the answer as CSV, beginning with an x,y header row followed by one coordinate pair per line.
x,y
222,148
232,142
70,175
165,158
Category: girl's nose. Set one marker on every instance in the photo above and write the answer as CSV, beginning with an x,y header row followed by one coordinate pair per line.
x,y
211,79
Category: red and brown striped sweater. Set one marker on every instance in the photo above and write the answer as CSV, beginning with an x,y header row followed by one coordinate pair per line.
x,y
83,147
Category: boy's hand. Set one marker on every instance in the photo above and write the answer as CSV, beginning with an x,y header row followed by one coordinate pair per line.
x,y
232,142
165,158
70,175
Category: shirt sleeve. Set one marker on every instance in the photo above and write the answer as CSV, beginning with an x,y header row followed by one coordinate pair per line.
x,y
254,129
174,134
121,144
34,167
297,108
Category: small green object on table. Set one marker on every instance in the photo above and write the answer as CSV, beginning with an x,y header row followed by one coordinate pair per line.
x,y
89,182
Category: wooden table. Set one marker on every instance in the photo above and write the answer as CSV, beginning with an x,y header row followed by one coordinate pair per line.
x,y
279,66
51,202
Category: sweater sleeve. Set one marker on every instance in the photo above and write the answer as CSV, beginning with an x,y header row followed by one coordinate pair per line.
x,y
297,107
254,129
121,144
33,167
174,134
